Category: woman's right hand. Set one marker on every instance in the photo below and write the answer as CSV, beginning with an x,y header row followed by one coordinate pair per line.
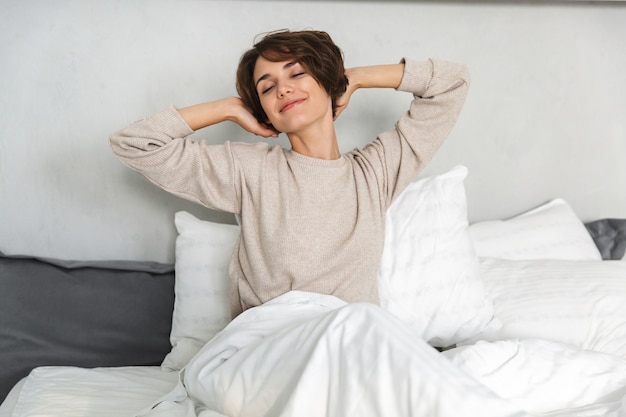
x,y
242,116
206,114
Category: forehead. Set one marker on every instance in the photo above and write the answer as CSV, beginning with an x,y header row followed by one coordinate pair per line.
x,y
264,67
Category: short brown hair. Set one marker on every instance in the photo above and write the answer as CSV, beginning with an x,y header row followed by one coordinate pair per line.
x,y
314,50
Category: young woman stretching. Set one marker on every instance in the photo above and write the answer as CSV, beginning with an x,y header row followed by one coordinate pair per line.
x,y
312,219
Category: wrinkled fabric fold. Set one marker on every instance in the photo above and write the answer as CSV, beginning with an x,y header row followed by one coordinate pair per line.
x,y
314,355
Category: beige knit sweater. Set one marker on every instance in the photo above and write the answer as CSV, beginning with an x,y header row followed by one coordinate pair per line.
x,y
306,224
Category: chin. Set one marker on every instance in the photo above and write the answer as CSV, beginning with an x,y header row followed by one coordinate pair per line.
x,y
290,128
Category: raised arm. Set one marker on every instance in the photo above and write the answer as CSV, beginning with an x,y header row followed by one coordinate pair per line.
x,y
159,148
373,76
231,108
439,89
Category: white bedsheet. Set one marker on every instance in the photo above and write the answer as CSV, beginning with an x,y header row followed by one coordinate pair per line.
x,y
65,391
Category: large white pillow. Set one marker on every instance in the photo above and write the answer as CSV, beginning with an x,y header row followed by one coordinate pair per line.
x,y
550,231
429,273
201,289
582,303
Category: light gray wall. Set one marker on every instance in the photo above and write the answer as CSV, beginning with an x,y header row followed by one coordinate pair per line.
x,y
545,118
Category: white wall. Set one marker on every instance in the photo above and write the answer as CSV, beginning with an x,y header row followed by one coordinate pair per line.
x,y
545,118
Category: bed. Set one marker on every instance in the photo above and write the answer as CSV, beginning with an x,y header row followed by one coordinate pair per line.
x,y
520,316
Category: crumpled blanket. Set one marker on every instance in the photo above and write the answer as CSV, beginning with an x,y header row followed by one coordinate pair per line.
x,y
305,354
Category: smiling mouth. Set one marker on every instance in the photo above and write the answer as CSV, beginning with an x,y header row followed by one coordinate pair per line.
x,y
291,104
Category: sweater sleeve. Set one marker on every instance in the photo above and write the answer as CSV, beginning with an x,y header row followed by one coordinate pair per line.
x,y
159,149
439,89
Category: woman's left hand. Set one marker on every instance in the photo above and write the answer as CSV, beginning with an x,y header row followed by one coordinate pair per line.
x,y
344,99
374,76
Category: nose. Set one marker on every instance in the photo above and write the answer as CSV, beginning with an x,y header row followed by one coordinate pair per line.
x,y
283,89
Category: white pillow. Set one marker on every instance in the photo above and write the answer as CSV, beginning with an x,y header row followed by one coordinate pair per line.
x,y
202,296
582,303
551,231
544,377
429,271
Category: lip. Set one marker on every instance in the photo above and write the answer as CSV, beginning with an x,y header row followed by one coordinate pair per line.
x,y
290,104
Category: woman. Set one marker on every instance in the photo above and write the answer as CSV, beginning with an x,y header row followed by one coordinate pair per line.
x,y
312,219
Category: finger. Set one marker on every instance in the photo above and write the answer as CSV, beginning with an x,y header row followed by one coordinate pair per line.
x,y
268,133
338,111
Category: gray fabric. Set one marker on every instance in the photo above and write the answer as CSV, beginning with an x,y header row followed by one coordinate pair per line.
x,y
150,267
88,314
609,236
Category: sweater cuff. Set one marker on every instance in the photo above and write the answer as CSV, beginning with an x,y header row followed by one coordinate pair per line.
x,y
416,77
171,123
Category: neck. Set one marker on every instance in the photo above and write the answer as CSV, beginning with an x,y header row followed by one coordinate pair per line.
x,y
321,145
316,142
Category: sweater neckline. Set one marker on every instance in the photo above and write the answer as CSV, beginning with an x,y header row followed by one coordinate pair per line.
x,y
309,160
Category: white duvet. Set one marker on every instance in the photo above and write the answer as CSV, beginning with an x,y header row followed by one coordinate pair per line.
x,y
314,355
306,354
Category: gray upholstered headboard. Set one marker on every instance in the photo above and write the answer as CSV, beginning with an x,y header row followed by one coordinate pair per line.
x,y
88,314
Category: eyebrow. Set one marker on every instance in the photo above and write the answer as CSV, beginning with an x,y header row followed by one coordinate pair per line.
x,y
265,76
